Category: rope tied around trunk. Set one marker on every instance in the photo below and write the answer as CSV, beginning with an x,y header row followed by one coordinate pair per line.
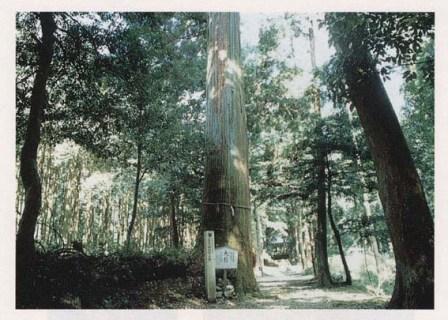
x,y
232,206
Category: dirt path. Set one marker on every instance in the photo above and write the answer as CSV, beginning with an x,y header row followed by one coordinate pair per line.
x,y
286,289
280,288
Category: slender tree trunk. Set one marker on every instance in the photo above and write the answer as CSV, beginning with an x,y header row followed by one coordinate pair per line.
x,y
147,234
28,158
405,207
93,232
107,213
180,228
259,250
323,270
306,250
337,236
173,222
306,244
140,232
76,199
312,248
300,245
184,225
136,193
28,161
61,213
43,173
226,195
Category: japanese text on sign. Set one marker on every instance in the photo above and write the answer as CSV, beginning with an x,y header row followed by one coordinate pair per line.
x,y
226,258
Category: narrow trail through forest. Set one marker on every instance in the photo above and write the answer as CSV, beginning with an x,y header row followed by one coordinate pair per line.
x,y
284,288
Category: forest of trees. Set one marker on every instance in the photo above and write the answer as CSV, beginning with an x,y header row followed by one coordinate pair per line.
x,y
136,132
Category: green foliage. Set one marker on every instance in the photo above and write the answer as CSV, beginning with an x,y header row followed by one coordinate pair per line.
x,y
418,117
119,80
388,39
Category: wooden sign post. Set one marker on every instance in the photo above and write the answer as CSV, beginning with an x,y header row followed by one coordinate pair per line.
x,y
209,262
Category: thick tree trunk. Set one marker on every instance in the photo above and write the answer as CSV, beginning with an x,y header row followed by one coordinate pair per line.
x,y
405,207
226,195
173,221
337,236
136,194
28,159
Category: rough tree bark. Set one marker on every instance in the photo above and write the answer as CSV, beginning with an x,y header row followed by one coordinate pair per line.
x,y
401,193
226,194
29,174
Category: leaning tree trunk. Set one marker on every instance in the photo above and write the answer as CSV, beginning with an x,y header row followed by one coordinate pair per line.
x,y
226,195
337,236
28,159
405,207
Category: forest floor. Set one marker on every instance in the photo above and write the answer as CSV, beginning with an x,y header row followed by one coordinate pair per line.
x,y
77,281
282,288
286,289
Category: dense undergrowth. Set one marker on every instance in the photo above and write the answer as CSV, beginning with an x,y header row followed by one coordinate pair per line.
x,y
68,278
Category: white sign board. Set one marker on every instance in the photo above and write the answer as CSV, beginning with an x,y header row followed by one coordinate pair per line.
x,y
226,258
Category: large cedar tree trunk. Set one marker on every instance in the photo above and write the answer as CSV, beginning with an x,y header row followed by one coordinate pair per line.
x,y
405,207
226,195
28,160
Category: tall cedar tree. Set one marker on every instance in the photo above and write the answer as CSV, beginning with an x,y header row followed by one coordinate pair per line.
x,y
226,194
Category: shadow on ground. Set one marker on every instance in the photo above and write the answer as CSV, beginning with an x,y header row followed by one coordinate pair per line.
x,y
285,289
